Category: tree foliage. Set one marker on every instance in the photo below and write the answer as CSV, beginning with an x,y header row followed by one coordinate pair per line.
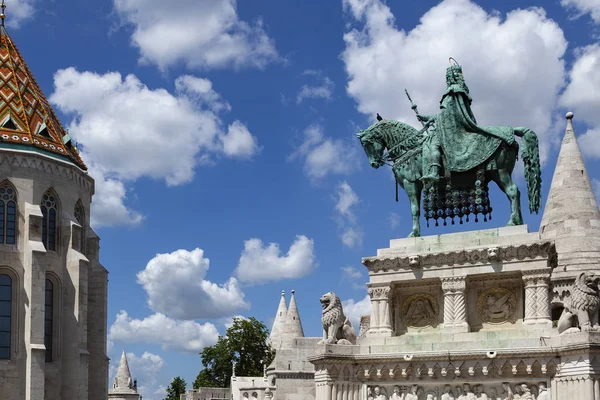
x,y
245,342
176,389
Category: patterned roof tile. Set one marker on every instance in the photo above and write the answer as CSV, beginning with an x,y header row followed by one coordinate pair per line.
x,y
26,117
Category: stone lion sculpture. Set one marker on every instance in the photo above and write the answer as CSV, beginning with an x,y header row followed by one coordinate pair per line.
x,y
337,328
581,311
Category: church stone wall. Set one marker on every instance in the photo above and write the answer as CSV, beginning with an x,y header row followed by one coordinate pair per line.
x,y
68,376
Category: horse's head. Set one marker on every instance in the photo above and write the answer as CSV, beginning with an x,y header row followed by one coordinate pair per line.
x,y
373,144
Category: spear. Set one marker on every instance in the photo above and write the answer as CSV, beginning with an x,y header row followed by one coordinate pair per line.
x,y
414,107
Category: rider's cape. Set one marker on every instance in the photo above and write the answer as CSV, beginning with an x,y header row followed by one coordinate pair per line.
x,y
465,144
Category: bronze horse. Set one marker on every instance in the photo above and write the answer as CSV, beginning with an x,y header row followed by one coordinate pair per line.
x,y
404,148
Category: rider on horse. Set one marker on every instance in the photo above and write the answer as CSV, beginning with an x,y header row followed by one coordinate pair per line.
x,y
457,136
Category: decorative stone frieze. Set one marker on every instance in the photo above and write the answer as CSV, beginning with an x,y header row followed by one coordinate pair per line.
x,y
463,390
45,165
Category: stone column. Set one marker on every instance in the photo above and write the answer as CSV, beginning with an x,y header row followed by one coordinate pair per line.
x,y
529,282
537,307
455,305
543,301
380,311
323,382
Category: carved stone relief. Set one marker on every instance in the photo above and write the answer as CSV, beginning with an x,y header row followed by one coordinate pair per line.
x,y
496,305
464,391
419,310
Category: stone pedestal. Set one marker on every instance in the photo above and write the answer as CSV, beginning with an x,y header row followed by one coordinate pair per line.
x,y
467,313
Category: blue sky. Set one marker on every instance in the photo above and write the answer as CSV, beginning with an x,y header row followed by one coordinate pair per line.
x,y
221,137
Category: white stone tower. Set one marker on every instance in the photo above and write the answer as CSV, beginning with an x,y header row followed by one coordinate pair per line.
x,y
53,289
124,388
571,217
293,325
279,323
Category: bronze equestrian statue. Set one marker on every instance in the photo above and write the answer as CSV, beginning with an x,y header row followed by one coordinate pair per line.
x,y
451,160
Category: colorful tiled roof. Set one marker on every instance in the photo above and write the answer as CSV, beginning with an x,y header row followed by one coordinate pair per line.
x,y
26,118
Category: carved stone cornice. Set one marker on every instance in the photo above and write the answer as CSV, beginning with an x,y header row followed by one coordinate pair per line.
x,y
41,163
500,356
480,256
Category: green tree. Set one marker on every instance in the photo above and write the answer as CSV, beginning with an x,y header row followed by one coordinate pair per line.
x,y
176,389
245,342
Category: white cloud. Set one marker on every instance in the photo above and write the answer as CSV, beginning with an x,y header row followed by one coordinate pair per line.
x,y
582,93
596,185
591,7
201,91
501,59
351,273
181,336
589,142
582,96
354,310
129,131
199,34
394,219
346,199
352,237
259,263
229,321
108,203
19,12
176,287
146,364
323,156
239,142
324,90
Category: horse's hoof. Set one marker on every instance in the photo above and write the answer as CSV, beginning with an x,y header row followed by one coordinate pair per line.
x,y
414,234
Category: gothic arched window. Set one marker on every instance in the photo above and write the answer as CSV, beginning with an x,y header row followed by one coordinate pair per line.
x,y
5,316
50,219
48,319
80,217
8,213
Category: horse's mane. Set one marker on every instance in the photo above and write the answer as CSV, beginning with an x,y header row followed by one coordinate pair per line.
x,y
407,136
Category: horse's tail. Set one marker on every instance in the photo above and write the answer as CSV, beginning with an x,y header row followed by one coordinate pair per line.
x,y
530,153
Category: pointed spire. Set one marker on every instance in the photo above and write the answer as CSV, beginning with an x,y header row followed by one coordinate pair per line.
x,y
123,373
123,383
571,215
279,323
293,325
26,117
3,15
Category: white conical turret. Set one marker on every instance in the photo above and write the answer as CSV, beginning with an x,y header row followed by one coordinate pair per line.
x,y
124,388
279,323
571,215
293,325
